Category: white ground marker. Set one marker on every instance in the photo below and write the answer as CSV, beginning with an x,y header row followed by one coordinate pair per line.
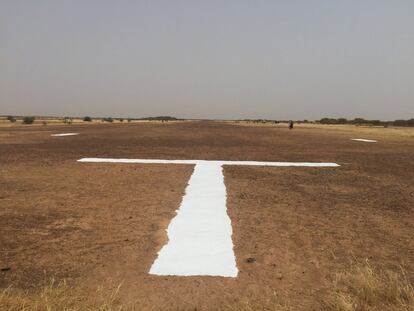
x,y
364,140
200,234
65,134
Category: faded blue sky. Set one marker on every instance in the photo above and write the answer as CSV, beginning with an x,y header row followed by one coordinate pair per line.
x,y
208,59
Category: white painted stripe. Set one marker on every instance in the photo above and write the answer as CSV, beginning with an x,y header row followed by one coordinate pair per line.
x,y
200,234
251,163
65,134
364,140
301,164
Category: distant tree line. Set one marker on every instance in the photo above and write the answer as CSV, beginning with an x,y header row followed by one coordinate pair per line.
x,y
69,120
361,121
258,121
356,121
159,118
264,121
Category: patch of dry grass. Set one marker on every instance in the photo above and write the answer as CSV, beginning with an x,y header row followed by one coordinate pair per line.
x,y
245,305
58,297
364,288
347,129
62,297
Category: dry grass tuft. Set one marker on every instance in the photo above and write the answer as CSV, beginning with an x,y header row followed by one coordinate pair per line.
x,y
366,289
245,304
362,288
57,297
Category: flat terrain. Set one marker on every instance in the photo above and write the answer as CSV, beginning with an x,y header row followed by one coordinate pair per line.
x,y
99,224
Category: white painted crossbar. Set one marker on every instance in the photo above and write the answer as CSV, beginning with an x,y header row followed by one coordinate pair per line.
x,y
195,162
64,134
364,140
200,234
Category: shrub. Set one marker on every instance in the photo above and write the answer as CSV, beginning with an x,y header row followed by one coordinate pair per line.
x,y
359,121
67,120
28,120
121,120
409,122
328,121
342,121
87,119
44,123
11,119
108,119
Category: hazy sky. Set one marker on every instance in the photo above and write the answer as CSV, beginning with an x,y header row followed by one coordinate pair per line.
x,y
271,59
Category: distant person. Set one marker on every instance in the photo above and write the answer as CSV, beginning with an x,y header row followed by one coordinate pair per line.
x,y
290,124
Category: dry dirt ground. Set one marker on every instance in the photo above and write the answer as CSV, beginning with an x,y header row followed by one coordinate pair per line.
x,y
102,224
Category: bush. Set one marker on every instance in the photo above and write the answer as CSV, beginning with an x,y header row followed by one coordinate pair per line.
x,y
121,120
28,120
342,121
108,119
328,121
404,122
87,119
11,119
67,120
359,121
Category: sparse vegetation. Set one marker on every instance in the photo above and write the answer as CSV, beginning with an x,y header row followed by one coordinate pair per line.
x,y
409,122
87,119
364,288
109,119
28,120
62,297
11,119
361,121
58,297
258,121
67,120
159,118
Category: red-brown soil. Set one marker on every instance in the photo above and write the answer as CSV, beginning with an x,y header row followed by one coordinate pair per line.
x,y
102,224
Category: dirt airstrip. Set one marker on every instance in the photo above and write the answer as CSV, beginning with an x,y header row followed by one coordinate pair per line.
x,y
293,228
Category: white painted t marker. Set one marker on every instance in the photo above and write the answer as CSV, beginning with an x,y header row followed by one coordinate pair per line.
x,y
199,236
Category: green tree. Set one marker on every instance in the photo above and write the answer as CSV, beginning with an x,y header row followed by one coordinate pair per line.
x,y
28,120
